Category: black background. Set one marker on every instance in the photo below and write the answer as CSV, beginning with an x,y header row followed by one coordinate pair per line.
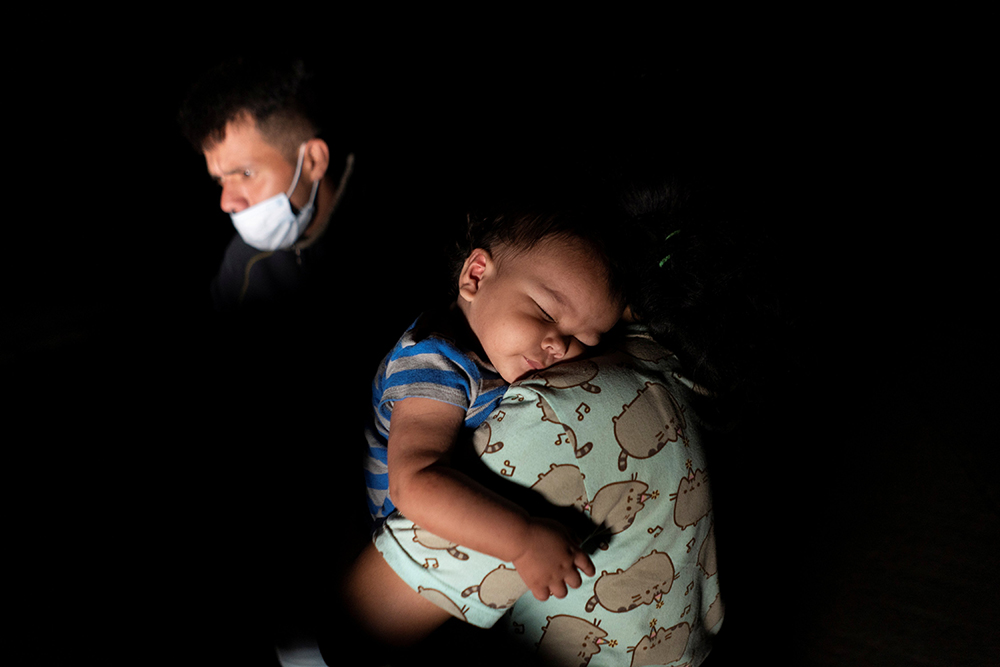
x,y
170,490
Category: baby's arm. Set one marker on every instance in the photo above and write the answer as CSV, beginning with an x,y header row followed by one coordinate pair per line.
x,y
449,504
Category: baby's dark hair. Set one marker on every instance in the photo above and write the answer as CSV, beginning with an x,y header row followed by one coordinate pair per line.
x,y
515,230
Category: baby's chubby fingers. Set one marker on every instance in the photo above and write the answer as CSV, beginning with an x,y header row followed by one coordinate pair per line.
x,y
541,593
584,564
558,590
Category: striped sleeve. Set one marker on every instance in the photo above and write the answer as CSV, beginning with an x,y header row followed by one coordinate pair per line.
x,y
434,368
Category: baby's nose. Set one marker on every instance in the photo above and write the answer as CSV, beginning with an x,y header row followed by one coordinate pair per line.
x,y
556,346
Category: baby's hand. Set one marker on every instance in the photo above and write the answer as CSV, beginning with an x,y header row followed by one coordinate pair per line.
x,y
551,559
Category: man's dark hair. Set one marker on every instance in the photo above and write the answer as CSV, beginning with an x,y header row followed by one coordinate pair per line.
x,y
278,95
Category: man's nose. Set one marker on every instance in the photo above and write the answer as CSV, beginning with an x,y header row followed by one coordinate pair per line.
x,y
232,201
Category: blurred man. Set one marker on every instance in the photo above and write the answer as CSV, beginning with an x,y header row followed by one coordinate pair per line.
x,y
260,128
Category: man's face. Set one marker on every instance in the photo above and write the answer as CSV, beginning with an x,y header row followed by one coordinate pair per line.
x,y
248,168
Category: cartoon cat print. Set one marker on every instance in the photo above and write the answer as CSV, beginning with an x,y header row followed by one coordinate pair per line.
x,y
706,554
693,500
549,415
646,581
577,374
646,349
481,440
443,601
648,423
563,486
661,647
616,505
499,589
716,611
429,540
568,640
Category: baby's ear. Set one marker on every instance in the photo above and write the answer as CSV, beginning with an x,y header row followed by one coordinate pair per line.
x,y
476,266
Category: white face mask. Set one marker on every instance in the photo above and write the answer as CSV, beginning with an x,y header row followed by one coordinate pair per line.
x,y
270,224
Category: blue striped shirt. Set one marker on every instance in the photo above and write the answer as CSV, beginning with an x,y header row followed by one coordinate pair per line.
x,y
434,367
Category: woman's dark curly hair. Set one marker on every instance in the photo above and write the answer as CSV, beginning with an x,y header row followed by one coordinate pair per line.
x,y
697,280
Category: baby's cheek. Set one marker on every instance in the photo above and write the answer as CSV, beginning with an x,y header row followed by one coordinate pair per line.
x,y
575,349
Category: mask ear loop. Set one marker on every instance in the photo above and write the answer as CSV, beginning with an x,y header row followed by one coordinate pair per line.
x,y
312,197
298,170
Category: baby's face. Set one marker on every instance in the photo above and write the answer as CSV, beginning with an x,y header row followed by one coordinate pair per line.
x,y
537,307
